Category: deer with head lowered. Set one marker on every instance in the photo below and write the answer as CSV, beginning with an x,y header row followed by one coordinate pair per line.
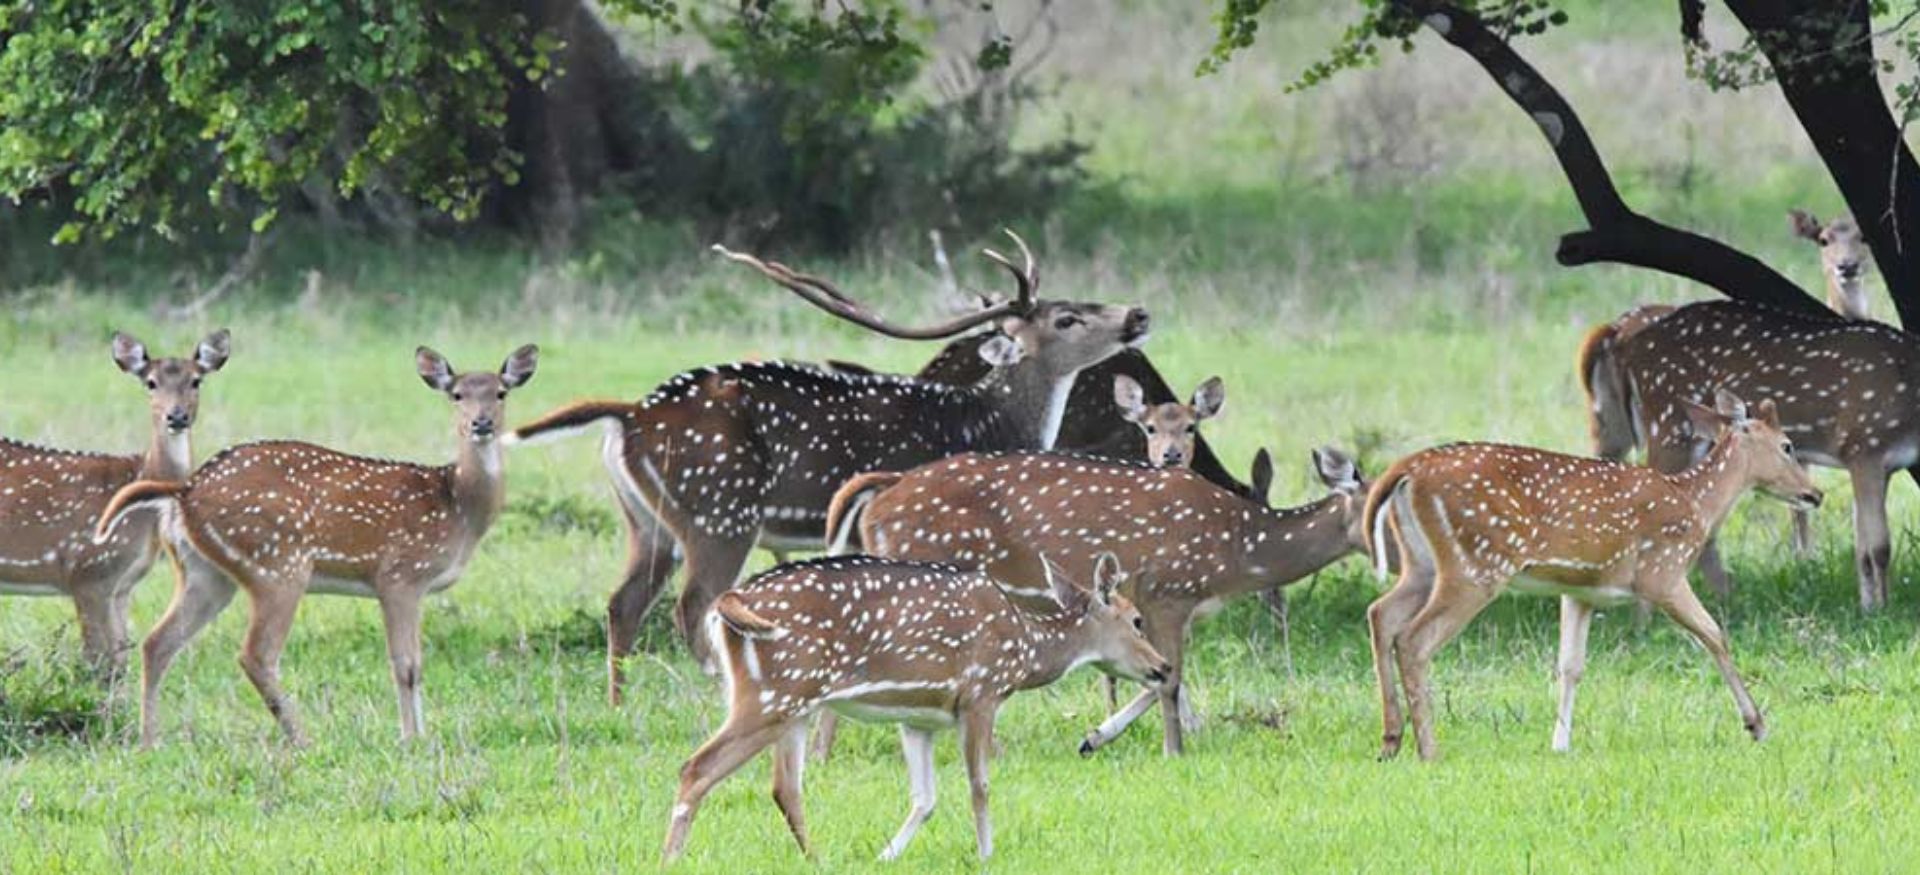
x,y
51,498
1470,520
721,458
280,519
1189,544
923,645
1848,394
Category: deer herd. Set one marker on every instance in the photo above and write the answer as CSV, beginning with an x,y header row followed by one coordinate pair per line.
x,y
1035,499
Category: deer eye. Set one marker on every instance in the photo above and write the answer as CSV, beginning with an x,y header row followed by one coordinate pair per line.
x,y
196,382
500,395
152,384
1786,447
1139,625
1152,430
459,397
1192,429
1065,322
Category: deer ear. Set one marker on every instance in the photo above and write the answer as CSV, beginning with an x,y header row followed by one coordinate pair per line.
x,y
212,352
433,368
1767,412
1002,351
1804,224
1066,593
1131,398
518,368
1208,399
1336,470
1107,577
130,354
1730,406
1706,421
1263,475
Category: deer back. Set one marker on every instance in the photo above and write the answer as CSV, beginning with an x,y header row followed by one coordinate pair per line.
x,y
47,499
1846,391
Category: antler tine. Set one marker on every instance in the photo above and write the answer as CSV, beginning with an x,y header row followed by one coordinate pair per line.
x,y
822,294
1025,279
1026,255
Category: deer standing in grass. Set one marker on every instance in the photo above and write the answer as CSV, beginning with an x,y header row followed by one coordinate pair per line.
x,y
1470,520
49,500
1190,545
1848,393
925,646
280,519
719,459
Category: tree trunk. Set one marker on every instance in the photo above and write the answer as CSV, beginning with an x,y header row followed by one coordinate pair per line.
x,y
1822,57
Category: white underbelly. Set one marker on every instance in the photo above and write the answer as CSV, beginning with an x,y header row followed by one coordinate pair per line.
x,y
920,718
8,587
340,586
1598,596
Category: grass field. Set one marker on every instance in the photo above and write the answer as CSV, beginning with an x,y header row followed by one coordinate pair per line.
x,y
1375,302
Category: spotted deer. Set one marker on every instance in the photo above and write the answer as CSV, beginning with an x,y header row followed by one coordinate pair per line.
x,y
922,645
280,519
1848,393
1468,521
721,458
1190,545
50,498
1843,260
1172,427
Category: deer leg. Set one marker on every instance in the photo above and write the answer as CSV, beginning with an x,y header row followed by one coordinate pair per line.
x,y
713,566
1455,602
789,764
1173,692
1111,728
1802,534
200,593
400,607
650,562
1386,617
917,745
93,607
1872,542
976,746
273,603
722,755
1678,600
1575,617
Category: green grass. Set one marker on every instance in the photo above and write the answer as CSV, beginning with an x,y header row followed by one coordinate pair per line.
x,y
527,767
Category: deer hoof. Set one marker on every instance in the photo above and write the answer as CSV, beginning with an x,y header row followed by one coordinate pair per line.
x,y
1087,747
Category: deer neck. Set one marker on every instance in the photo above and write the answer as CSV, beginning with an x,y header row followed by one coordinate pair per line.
x,y
1031,403
169,455
1843,296
1287,544
1715,482
1061,643
479,484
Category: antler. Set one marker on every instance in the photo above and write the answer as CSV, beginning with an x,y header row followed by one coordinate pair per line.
x,y
1027,278
823,294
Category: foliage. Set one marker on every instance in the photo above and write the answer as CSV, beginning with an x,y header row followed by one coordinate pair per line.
x,y
137,110
1747,64
1391,22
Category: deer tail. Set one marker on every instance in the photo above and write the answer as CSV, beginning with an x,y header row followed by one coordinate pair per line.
x,y
850,503
133,496
1374,519
741,620
569,421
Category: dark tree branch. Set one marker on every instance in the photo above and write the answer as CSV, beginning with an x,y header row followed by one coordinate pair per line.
x,y
1822,58
1616,233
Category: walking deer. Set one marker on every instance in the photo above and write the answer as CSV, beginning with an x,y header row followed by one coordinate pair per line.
x,y
1470,520
1843,260
50,498
1848,393
280,519
922,645
1190,544
721,458
1171,428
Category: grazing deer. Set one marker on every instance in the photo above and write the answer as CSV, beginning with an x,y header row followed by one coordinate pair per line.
x,y
1471,519
721,458
1843,260
281,518
1191,544
922,645
1848,393
50,498
1170,428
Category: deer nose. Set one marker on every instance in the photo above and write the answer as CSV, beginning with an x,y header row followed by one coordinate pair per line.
x,y
1847,270
483,425
1172,457
1136,324
1160,673
1811,498
177,419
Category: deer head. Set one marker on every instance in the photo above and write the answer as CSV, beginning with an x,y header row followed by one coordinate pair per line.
x,y
1757,443
479,398
1171,428
1843,258
1341,475
173,384
1112,627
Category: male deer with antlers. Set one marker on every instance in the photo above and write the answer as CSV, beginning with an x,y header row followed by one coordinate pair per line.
x,y
282,518
1848,393
721,458
925,646
1190,544
50,498
1470,520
